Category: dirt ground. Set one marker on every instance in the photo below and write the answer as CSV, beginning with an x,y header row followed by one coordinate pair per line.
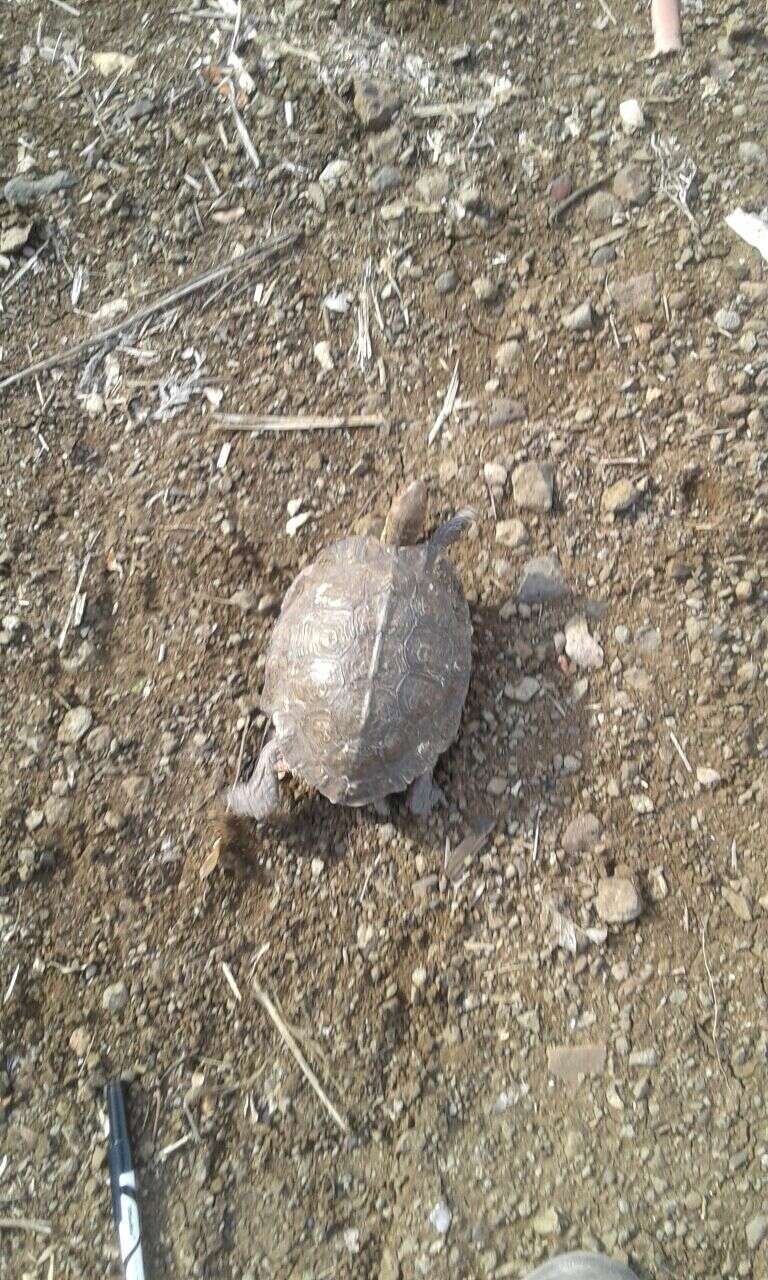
x,y
619,901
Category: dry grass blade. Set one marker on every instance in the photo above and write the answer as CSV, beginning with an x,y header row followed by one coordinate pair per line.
x,y
274,245
34,1225
301,422
447,407
243,134
290,1043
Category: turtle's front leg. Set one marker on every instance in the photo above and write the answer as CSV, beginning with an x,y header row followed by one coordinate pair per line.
x,y
423,795
258,797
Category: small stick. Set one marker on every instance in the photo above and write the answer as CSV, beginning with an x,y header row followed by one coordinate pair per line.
x,y
438,109
35,1225
579,194
680,752
73,601
301,422
293,50
230,977
246,727
174,1146
447,406
714,995
298,1056
274,245
245,137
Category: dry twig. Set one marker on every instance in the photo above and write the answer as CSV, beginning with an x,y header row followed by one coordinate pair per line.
x,y
301,422
298,1056
274,245
35,1225
579,194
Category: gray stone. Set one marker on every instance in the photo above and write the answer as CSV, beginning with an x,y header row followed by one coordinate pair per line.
x,y
602,207
533,486
757,1230
728,320
98,740
512,533
22,190
738,904
582,834
524,691
504,411
387,178
632,185
447,282
580,319
735,406
375,102
507,355
603,256
580,646
637,297
542,580
618,901
57,811
547,1223
75,725
495,474
115,998
753,156
619,498
384,148
433,186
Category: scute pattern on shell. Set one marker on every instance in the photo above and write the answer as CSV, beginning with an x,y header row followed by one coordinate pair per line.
x,y
368,668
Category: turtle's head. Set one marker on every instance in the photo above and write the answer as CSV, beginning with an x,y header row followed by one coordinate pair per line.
x,y
404,526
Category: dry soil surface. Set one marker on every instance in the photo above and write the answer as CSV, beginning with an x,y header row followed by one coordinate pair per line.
x,y
554,1034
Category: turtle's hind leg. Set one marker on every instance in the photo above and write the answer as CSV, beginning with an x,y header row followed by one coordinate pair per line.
x,y
258,797
423,795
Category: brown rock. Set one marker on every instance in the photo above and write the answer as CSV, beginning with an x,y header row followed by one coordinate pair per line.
x,y
632,185
619,497
637,297
582,833
618,901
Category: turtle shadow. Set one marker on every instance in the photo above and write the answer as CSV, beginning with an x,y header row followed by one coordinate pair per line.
x,y
523,747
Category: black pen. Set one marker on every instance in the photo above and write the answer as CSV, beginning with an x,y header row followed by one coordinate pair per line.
x,y
122,1177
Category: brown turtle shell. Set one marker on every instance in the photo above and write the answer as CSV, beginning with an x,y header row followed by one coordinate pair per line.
x,y
368,668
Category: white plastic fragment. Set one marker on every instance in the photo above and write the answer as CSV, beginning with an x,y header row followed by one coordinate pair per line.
x,y
751,229
296,522
631,114
441,1218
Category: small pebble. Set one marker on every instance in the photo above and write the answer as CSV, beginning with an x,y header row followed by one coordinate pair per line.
x,y
485,289
580,319
618,901
729,321
447,281
631,115
115,998
533,486
75,725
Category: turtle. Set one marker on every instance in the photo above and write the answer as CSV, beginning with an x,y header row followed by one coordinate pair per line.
x,y
367,668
